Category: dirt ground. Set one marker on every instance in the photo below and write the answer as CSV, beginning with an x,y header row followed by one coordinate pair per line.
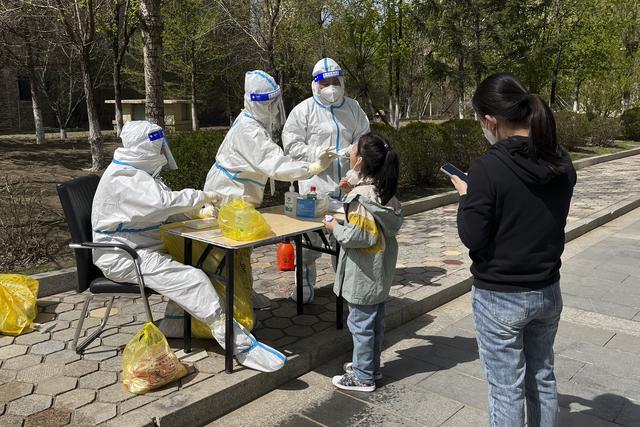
x,y
38,168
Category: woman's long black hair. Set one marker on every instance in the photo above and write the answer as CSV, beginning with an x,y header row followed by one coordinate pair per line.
x,y
503,96
381,163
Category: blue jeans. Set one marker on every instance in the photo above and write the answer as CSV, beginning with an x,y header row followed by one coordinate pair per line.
x,y
366,323
515,333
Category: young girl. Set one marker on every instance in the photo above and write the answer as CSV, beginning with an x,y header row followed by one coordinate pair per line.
x,y
369,252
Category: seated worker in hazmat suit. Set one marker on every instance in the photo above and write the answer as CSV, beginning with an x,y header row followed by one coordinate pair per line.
x,y
326,120
248,156
130,204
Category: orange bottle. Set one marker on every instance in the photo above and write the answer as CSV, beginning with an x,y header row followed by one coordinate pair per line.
x,y
286,257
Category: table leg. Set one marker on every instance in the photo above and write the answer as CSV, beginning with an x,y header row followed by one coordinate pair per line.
x,y
299,268
339,299
188,244
228,332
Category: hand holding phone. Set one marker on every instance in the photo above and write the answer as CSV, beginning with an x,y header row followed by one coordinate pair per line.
x,y
451,170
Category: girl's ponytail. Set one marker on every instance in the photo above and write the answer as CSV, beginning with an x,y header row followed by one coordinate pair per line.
x,y
386,180
381,163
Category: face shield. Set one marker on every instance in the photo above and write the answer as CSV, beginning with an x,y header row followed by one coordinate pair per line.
x,y
329,86
164,150
272,110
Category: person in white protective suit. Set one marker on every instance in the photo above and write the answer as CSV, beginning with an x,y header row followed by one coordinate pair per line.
x,y
248,156
327,120
130,204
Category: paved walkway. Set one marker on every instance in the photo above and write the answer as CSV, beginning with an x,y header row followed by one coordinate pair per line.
x,y
432,375
42,380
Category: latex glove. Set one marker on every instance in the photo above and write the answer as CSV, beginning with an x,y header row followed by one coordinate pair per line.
x,y
211,197
316,168
209,211
325,157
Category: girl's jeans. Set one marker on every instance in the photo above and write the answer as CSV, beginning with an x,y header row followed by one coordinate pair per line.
x,y
515,333
366,323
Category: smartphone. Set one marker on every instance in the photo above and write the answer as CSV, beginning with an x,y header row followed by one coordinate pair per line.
x,y
451,170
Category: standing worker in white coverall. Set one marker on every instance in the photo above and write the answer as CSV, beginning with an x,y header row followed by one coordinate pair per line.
x,y
248,157
327,120
130,204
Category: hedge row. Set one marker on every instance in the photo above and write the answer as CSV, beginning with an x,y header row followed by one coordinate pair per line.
x,y
631,124
423,147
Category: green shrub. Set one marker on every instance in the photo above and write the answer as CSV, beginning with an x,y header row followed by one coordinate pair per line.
x,y
422,148
195,153
464,142
631,124
572,129
604,131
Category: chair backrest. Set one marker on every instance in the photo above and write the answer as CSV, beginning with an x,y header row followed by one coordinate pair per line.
x,y
76,197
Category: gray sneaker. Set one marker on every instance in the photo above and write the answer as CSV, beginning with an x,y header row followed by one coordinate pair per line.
x,y
348,381
347,367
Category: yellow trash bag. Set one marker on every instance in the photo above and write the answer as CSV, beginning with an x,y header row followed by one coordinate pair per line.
x,y
18,303
239,220
148,362
243,279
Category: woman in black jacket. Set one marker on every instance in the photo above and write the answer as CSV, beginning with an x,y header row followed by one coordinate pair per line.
x,y
512,213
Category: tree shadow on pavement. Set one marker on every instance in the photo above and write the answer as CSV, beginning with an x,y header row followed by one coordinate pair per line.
x,y
441,353
608,407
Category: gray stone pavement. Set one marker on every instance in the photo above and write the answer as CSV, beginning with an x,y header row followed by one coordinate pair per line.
x,y
432,375
43,381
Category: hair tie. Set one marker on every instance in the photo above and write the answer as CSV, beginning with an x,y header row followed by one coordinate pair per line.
x,y
386,146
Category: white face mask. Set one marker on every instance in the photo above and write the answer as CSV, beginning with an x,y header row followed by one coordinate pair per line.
x,y
353,177
490,137
332,94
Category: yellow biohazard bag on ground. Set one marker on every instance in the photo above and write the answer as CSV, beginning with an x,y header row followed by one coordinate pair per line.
x,y
18,303
148,362
239,220
243,279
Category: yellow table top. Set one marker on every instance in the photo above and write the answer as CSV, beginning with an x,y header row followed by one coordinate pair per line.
x,y
282,226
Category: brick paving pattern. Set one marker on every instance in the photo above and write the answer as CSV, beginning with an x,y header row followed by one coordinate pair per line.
x,y
43,382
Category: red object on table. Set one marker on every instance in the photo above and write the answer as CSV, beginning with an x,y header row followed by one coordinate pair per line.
x,y
286,256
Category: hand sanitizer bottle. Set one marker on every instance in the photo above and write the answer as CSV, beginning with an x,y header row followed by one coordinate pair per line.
x,y
290,201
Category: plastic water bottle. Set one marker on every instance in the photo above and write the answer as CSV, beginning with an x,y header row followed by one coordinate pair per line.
x,y
312,193
290,201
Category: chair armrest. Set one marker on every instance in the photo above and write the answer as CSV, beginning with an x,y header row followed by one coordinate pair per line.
x,y
91,245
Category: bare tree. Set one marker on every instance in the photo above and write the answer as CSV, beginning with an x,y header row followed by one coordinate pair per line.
x,y
78,25
122,25
151,26
19,43
259,20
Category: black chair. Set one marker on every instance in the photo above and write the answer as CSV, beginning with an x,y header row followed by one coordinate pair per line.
x,y
76,197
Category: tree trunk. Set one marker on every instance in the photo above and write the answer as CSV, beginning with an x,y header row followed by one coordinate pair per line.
x,y
576,99
554,78
153,81
95,136
63,134
194,106
461,86
626,100
37,109
36,105
117,96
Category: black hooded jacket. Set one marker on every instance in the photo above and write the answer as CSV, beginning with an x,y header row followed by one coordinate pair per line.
x,y
513,217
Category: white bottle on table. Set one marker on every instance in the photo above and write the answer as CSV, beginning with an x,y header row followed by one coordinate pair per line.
x,y
290,201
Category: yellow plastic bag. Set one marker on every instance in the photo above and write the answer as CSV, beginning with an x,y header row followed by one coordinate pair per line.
x,y
239,220
18,303
148,362
243,278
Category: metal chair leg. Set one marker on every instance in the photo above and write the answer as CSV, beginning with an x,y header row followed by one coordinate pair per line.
x,y
83,315
95,333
